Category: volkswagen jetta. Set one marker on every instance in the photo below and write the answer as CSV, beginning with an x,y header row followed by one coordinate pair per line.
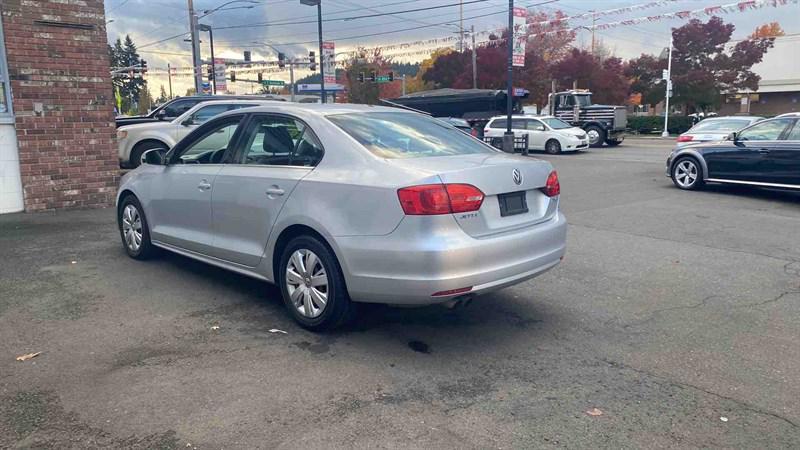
x,y
339,204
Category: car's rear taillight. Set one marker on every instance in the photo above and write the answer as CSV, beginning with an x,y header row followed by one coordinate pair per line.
x,y
552,187
685,138
474,132
430,199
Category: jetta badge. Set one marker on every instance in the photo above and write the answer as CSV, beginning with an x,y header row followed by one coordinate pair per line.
x,y
516,175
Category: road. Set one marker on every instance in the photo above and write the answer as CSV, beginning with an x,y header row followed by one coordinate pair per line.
x,y
675,314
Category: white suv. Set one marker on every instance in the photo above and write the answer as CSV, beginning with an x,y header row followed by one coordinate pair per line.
x,y
546,133
134,140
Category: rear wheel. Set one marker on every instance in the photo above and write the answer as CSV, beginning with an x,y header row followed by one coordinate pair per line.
x,y
552,147
596,136
687,174
312,284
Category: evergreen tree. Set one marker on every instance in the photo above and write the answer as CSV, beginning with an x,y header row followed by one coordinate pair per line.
x,y
124,55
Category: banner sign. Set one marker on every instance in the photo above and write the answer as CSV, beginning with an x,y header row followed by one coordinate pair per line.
x,y
219,75
520,36
329,62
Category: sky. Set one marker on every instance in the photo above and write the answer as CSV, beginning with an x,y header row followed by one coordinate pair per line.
x,y
254,21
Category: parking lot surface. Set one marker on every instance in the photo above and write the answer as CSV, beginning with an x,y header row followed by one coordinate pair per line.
x,y
674,321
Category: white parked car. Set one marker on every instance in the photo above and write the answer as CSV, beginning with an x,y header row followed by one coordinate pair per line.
x,y
134,140
547,133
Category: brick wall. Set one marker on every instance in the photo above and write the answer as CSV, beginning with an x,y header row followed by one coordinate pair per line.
x,y
63,102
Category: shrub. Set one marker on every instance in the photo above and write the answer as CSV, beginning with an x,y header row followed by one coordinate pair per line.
x,y
655,124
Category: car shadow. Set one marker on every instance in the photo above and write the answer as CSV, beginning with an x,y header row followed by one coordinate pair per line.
x,y
753,192
255,306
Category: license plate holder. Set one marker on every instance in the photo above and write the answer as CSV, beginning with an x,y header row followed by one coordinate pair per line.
x,y
512,203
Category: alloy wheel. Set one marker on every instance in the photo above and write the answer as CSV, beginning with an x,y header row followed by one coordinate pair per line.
x,y
594,136
686,173
307,283
132,228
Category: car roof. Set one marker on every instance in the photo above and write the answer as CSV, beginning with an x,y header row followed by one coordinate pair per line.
x,y
790,114
521,116
715,118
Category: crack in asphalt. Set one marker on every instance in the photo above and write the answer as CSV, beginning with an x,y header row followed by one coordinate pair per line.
x,y
743,404
672,308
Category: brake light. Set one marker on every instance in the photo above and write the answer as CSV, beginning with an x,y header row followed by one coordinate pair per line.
x,y
473,132
552,187
685,138
432,199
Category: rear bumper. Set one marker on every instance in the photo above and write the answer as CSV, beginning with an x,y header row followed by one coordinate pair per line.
x,y
431,254
616,135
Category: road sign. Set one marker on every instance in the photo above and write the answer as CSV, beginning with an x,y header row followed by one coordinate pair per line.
x,y
328,60
382,79
519,37
665,74
273,83
316,87
219,75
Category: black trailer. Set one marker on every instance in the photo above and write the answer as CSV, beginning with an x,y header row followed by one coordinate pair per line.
x,y
476,106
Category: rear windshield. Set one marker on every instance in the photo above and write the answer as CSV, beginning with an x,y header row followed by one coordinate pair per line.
x,y
407,135
721,125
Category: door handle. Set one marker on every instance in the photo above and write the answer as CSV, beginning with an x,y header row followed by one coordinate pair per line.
x,y
204,185
276,192
763,151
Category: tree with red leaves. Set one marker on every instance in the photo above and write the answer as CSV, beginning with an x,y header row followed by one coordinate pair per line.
x,y
369,92
606,79
704,66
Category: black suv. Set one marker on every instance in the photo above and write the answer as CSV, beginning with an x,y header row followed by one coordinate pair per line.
x,y
180,105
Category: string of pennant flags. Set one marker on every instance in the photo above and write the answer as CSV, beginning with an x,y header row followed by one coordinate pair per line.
x,y
491,37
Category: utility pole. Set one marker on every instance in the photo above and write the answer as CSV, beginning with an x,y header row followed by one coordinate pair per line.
x,y
169,79
461,26
594,21
508,137
213,79
291,77
474,59
665,133
321,55
404,83
197,65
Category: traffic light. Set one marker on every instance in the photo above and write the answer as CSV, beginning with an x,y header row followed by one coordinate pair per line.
x,y
360,77
247,56
312,59
260,77
391,76
233,76
373,76
210,71
281,60
143,64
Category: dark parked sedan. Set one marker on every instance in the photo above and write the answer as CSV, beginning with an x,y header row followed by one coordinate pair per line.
x,y
179,105
764,154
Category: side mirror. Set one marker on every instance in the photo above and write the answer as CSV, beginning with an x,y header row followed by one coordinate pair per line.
x,y
189,121
154,157
161,115
732,137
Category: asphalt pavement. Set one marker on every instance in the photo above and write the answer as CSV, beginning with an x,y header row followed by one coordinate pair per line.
x,y
674,321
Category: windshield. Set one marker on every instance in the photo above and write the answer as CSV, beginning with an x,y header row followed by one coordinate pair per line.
x,y
406,135
583,100
722,125
556,124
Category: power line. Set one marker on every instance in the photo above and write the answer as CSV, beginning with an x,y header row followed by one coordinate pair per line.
x,y
342,19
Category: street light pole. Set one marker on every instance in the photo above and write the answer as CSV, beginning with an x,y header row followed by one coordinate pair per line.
x,y
318,4
665,133
474,59
213,63
198,75
508,137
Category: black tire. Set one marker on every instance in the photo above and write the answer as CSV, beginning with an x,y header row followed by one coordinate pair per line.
x,y
552,147
338,308
139,150
146,248
601,133
681,173
613,142
497,143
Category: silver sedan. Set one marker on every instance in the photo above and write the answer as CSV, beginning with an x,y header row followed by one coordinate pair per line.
x,y
338,204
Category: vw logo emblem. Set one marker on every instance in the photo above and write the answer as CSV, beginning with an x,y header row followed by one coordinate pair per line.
x,y
516,175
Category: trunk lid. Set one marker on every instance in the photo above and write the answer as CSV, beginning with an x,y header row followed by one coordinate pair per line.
x,y
494,175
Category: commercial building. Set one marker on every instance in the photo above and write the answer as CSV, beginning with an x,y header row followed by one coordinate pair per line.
x,y
57,132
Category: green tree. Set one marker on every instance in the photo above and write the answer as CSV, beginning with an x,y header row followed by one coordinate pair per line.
x,y
127,79
162,96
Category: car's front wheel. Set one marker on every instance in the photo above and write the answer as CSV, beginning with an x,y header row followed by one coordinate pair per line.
x,y
596,136
133,229
687,174
553,147
312,284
